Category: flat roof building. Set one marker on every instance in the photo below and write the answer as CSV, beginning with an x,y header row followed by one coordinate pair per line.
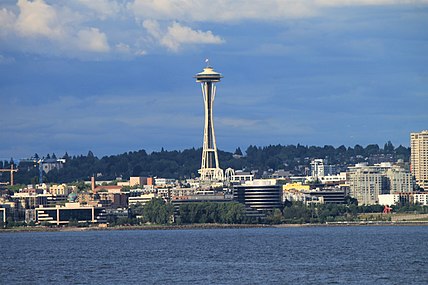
x,y
62,215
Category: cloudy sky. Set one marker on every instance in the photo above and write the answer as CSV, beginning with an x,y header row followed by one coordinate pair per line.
x,y
116,76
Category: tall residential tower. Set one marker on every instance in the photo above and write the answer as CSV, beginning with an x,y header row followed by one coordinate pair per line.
x,y
210,169
419,158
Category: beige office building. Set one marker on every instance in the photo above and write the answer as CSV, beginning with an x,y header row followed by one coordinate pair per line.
x,y
419,158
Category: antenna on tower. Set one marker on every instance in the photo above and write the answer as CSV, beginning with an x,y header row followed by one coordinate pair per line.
x,y
207,61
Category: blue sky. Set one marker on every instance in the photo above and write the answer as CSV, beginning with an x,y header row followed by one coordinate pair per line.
x,y
117,76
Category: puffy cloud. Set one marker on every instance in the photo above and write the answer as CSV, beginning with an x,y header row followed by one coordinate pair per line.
x,y
37,18
59,25
83,27
177,35
92,40
153,28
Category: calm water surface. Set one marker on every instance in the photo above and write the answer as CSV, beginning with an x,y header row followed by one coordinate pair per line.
x,y
315,255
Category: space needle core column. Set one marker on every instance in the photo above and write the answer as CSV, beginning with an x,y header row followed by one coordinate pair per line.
x,y
210,169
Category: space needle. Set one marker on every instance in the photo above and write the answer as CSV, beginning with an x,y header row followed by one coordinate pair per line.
x,y
210,169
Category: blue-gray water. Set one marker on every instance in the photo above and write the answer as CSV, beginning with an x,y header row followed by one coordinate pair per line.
x,y
315,255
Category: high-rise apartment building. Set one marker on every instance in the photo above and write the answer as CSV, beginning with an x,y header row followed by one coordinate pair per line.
x,y
398,180
366,182
419,158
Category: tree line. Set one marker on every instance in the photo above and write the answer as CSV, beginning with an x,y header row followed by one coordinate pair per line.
x,y
185,163
157,211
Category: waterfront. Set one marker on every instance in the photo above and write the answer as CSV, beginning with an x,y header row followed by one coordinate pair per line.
x,y
306,255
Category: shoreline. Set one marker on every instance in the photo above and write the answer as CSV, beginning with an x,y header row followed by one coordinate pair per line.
x,y
210,226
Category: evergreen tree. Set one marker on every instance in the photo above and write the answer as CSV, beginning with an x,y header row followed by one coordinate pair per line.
x,y
238,151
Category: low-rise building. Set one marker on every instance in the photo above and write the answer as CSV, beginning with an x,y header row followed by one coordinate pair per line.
x,y
395,198
329,196
334,179
112,200
299,186
3,216
305,197
137,181
62,215
421,198
108,188
259,194
25,200
240,177
163,182
404,198
142,199
61,189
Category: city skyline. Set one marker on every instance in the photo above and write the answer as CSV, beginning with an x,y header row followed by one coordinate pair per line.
x,y
116,76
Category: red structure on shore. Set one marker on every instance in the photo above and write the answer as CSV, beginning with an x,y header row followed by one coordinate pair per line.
x,y
387,210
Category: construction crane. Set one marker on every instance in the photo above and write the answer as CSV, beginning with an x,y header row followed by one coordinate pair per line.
x,y
11,170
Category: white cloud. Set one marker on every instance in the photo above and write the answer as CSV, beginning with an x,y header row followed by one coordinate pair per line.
x,y
140,52
111,27
153,28
176,35
367,2
102,8
38,19
7,21
92,40
6,60
239,10
240,123
219,11
121,47
62,27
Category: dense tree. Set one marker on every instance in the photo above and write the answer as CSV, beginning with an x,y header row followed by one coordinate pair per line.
x,y
297,213
157,211
185,164
209,212
388,148
238,151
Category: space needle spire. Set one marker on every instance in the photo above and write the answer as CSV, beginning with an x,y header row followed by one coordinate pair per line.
x,y
210,169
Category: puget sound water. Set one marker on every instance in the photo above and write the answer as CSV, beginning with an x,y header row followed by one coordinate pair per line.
x,y
307,255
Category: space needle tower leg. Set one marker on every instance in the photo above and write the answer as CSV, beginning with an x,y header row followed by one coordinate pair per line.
x,y
210,169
